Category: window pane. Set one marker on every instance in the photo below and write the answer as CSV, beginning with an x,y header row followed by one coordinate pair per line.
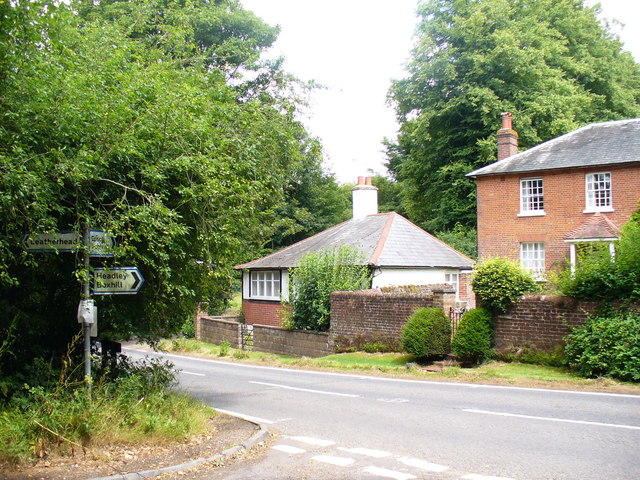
x,y
598,190
532,256
531,195
265,284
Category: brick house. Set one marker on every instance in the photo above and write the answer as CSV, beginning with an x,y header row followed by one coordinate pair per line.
x,y
397,251
545,205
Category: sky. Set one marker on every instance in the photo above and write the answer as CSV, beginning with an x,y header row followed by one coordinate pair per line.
x,y
355,48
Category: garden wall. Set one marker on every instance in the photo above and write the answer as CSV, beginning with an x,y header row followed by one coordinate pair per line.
x,y
541,321
290,342
380,314
218,329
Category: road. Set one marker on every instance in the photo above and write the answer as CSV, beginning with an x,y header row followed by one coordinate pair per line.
x,y
335,425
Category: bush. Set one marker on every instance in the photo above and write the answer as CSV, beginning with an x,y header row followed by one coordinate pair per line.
x,y
607,345
317,275
427,333
472,341
499,282
549,357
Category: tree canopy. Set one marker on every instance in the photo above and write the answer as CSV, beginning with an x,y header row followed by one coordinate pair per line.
x,y
551,63
152,120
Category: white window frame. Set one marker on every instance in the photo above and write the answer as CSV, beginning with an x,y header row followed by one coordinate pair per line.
x,y
453,279
598,192
531,197
265,284
532,257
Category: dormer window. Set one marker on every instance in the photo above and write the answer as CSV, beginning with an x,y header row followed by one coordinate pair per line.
x,y
531,197
598,191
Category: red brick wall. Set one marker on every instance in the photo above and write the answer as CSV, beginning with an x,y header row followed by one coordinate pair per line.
x,y
540,321
380,315
500,230
261,312
218,329
290,342
466,293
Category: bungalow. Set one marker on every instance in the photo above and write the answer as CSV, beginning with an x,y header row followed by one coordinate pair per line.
x,y
397,251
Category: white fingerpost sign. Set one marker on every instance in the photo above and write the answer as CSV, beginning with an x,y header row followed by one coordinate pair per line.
x,y
117,281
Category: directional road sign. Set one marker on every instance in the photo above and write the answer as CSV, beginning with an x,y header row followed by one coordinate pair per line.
x,y
117,281
100,243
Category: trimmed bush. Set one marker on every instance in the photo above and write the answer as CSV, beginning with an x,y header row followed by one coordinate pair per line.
x,y
499,282
427,333
607,345
472,341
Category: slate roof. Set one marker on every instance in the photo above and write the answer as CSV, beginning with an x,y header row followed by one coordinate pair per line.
x,y
597,227
386,239
606,143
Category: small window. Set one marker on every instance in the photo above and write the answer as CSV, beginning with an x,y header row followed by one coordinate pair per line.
x,y
532,257
598,187
452,279
265,285
531,196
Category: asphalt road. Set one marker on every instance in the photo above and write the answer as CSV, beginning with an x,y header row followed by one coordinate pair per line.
x,y
336,425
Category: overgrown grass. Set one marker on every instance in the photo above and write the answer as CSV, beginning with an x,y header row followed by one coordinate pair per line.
x,y
137,407
402,365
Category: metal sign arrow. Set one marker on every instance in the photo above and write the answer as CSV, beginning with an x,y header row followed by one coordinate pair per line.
x,y
117,281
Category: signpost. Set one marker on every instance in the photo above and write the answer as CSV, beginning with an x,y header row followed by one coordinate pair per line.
x,y
100,243
117,281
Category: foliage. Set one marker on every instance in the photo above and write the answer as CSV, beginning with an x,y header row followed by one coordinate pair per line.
x,y
137,407
554,357
316,276
549,62
225,346
607,345
472,340
499,282
598,276
152,120
367,342
427,333
464,239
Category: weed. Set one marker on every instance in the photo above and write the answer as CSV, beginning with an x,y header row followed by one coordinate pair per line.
x,y
225,346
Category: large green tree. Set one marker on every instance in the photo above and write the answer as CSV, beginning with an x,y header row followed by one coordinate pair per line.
x,y
551,63
155,121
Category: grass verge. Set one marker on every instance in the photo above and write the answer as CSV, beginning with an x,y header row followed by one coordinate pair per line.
x,y
402,365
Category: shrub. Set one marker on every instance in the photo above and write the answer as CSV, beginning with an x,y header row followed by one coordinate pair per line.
x,y
317,275
499,282
607,345
472,341
427,333
549,357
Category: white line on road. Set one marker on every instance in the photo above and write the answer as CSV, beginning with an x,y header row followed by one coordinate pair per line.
x,y
551,419
313,441
421,464
322,392
474,476
193,373
289,449
383,472
366,452
246,417
339,461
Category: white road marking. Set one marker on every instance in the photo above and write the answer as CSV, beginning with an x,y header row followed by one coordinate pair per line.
x,y
393,400
322,392
474,476
246,417
421,464
289,449
383,472
382,379
193,373
313,441
339,461
366,451
551,419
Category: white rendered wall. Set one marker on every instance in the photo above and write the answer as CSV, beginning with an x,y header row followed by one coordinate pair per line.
x,y
388,277
365,201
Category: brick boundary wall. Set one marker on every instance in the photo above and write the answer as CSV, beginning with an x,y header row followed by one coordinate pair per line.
x,y
541,321
380,314
218,329
290,342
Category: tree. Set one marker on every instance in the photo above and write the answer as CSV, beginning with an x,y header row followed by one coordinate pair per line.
x,y
549,62
316,276
135,118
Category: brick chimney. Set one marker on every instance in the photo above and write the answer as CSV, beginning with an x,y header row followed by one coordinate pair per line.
x,y
507,138
365,198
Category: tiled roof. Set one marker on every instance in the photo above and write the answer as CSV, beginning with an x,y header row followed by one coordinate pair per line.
x,y
597,144
596,227
387,240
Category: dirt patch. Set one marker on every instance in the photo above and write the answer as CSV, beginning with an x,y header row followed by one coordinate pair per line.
x,y
223,432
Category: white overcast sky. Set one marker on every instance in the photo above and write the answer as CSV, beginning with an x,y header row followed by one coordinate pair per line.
x,y
355,48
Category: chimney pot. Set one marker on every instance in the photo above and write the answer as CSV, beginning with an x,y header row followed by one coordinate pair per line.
x,y
367,181
360,180
507,138
506,120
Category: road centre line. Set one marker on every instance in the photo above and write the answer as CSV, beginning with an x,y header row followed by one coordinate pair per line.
x,y
309,390
338,461
474,476
193,373
383,472
551,419
387,379
421,464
